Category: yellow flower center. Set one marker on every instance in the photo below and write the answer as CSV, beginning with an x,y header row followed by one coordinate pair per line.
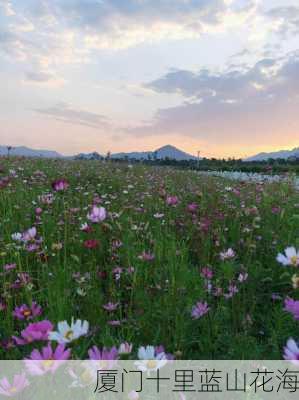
x,y
13,389
48,363
27,313
151,364
294,260
69,335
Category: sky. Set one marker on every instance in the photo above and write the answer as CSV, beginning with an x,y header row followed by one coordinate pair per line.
x,y
216,76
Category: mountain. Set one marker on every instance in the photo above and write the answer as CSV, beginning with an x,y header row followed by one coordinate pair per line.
x,y
27,152
167,151
275,155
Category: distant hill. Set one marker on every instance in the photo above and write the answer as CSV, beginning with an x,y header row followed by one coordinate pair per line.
x,y
286,154
167,151
27,152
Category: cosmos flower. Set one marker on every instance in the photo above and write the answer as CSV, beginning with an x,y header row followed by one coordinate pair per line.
x,y
146,256
172,200
97,214
291,351
16,237
26,312
29,235
60,185
34,332
91,243
125,348
20,382
105,354
47,360
199,310
292,306
291,257
67,333
227,255
110,306
207,273
192,208
149,359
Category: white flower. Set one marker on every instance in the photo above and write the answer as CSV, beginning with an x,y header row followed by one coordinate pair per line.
x,y
149,361
67,333
17,237
291,257
228,254
291,351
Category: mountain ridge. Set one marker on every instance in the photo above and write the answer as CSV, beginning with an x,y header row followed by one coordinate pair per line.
x,y
167,151
285,154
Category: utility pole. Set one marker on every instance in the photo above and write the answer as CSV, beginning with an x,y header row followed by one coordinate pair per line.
x,y
198,154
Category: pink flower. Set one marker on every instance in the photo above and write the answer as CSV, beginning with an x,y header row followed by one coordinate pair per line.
x,y
172,200
97,214
207,273
227,255
91,243
47,360
114,323
20,382
110,306
34,332
146,256
192,207
38,211
232,290
26,312
29,235
60,184
125,348
9,267
292,306
199,310
105,354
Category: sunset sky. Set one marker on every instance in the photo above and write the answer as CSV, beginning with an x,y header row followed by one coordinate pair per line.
x,y
219,76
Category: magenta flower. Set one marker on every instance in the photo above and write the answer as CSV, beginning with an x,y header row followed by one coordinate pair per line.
x,y
207,273
60,184
105,354
26,312
172,200
9,267
97,214
47,360
20,382
192,207
292,306
34,332
291,351
91,243
199,310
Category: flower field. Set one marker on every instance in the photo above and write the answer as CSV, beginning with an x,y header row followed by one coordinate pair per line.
x,y
105,261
